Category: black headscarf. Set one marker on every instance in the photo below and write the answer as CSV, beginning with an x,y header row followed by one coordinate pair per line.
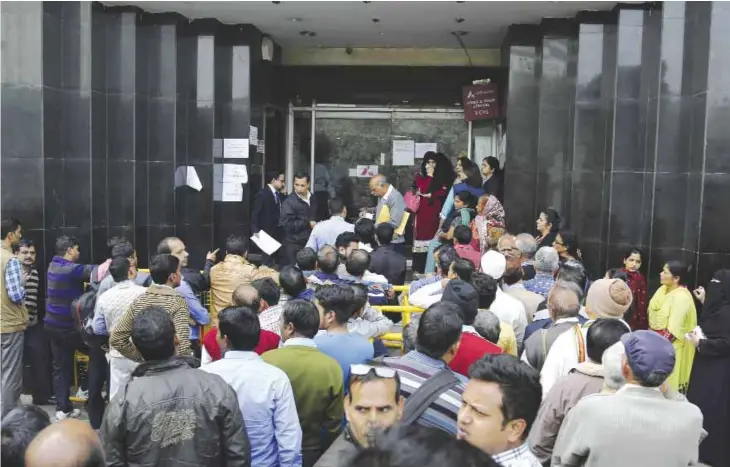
x,y
717,298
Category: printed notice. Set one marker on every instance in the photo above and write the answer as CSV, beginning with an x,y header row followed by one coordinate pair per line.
x,y
423,148
231,192
367,171
403,151
235,173
235,148
253,136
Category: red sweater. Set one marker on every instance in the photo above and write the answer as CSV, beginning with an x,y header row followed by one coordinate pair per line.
x,y
267,341
472,348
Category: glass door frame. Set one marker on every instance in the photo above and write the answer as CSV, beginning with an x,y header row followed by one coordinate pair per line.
x,y
412,112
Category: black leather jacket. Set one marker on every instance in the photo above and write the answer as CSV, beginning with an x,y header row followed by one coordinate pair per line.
x,y
172,414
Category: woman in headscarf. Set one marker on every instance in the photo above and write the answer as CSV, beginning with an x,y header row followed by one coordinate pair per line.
x,y
548,226
637,283
672,314
709,386
431,185
488,225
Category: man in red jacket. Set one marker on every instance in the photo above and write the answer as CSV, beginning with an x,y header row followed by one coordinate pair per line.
x,y
243,296
473,346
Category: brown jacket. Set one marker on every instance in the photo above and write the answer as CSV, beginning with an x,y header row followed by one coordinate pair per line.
x,y
226,276
585,379
157,296
13,316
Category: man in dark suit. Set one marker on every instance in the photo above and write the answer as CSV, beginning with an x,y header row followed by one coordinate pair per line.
x,y
298,214
386,260
266,210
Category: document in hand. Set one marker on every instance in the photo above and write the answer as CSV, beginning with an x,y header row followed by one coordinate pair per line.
x,y
266,242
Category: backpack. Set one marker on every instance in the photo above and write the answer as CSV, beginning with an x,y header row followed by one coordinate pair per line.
x,y
82,309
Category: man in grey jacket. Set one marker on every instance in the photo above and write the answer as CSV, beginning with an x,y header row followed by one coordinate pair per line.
x,y
172,413
637,425
393,199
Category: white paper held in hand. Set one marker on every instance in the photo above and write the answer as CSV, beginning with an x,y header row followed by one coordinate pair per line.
x,y
266,242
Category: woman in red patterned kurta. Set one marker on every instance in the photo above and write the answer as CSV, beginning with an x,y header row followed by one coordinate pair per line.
x,y
637,284
431,185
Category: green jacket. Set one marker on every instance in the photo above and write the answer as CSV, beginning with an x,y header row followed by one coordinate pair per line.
x,y
317,383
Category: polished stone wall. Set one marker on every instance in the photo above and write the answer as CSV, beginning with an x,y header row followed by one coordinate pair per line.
x,y
99,107
637,154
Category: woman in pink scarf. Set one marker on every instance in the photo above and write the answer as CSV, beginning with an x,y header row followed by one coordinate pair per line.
x,y
489,221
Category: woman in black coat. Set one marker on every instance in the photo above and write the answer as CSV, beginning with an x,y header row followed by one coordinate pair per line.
x,y
709,386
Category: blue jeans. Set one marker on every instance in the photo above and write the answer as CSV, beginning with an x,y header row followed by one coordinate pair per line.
x,y
430,263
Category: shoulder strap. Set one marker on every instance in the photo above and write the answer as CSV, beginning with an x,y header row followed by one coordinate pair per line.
x,y
580,343
424,396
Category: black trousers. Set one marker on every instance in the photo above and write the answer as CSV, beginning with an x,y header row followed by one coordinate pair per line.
x,y
37,364
64,343
288,253
98,375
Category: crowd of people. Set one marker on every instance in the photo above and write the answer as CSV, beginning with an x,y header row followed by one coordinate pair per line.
x,y
518,357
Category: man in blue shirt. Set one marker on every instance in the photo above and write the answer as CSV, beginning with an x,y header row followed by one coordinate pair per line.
x,y
336,304
325,233
264,392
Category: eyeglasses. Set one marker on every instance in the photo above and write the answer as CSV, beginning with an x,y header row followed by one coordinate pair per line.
x,y
363,370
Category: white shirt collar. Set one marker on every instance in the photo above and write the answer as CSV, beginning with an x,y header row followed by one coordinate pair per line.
x,y
387,193
635,386
300,341
306,200
273,190
241,355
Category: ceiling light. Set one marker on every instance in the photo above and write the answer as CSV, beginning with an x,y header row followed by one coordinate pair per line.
x,y
275,3
307,33
459,20
366,3
376,20
295,20
381,33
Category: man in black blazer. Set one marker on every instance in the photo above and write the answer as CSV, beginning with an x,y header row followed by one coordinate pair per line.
x,y
386,260
266,211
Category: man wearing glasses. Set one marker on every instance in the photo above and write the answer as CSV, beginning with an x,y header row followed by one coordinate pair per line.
x,y
373,403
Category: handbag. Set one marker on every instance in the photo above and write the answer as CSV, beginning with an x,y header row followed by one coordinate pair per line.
x,y
413,201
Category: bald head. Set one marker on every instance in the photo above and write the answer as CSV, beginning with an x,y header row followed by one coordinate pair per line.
x,y
248,296
379,185
563,301
68,443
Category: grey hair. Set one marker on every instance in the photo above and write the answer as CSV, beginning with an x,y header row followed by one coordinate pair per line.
x,y
575,288
410,331
526,244
613,377
563,302
487,325
546,259
380,179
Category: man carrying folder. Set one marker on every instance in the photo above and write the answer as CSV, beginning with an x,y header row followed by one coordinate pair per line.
x,y
391,208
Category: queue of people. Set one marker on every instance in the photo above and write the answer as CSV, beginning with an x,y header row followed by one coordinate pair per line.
x,y
517,359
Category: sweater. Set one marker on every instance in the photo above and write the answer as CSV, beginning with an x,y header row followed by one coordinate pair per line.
x,y
65,283
472,348
13,316
318,391
267,341
156,296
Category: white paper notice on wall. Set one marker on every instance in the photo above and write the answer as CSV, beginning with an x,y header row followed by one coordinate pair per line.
x,y
253,136
352,172
231,192
423,148
366,171
403,151
261,148
235,173
236,148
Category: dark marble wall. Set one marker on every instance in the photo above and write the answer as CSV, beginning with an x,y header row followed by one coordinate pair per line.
x,y
101,105
645,161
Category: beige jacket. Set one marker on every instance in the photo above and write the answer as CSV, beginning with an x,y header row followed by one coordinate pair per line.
x,y
227,275
13,316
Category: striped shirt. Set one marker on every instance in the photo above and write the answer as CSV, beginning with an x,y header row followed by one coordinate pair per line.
x,y
65,283
31,296
517,457
156,296
414,368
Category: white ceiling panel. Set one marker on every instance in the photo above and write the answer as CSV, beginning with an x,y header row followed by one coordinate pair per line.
x,y
400,23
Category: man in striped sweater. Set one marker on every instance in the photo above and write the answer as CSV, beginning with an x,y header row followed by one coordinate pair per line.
x,y
65,283
437,341
36,353
165,272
